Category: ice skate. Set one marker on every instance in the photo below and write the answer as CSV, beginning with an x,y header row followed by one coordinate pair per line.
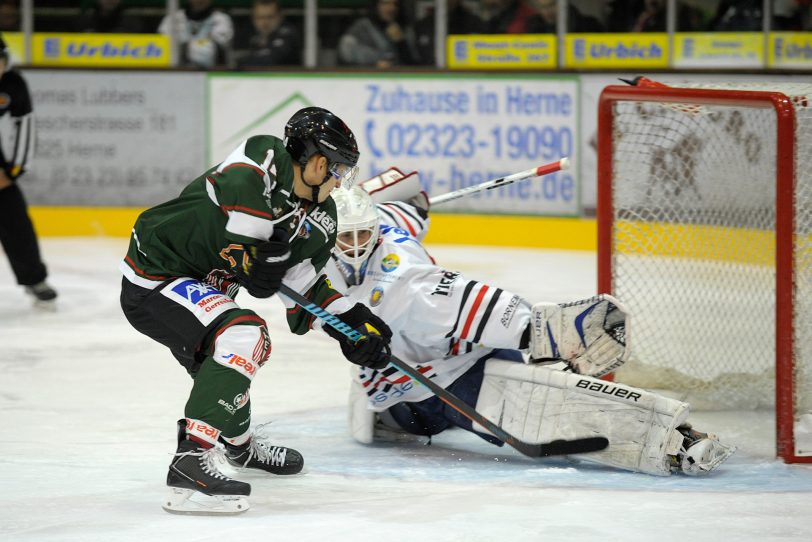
x,y
44,295
196,486
700,453
258,453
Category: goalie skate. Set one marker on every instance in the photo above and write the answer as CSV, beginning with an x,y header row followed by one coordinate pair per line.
x,y
701,452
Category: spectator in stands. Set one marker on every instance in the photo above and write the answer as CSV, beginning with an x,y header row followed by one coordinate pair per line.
x,y
792,15
545,21
738,16
108,16
461,20
205,34
275,41
381,39
9,16
651,16
506,16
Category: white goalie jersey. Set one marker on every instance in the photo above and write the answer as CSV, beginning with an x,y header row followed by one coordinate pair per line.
x,y
442,322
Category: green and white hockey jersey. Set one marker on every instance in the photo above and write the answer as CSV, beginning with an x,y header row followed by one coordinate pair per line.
x,y
202,233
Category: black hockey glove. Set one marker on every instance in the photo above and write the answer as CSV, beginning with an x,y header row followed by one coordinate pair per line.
x,y
267,264
372,351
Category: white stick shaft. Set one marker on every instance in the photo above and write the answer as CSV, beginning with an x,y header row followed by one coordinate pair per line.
x,y
496,183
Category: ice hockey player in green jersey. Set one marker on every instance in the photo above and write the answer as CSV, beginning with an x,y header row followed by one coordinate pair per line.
x,y
261,217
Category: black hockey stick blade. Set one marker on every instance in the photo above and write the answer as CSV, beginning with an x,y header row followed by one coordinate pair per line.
x,y
564,447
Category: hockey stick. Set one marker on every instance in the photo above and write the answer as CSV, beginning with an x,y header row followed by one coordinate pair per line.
x,y
556,447
562,164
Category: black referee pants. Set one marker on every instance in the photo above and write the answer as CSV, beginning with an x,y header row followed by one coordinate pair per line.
x,y
18,238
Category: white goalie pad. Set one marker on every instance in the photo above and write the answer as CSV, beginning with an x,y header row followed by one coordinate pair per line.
x,y
393,185
368,426
537,404
591,335
361,419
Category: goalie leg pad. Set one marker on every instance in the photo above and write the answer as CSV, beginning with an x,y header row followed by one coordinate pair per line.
x,y
537,404
361,418
590,334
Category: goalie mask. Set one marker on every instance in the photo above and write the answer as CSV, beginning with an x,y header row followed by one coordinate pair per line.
x,y
358,223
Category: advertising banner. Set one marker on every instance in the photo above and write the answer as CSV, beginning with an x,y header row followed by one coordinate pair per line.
x,y
616,51
101,50
113,138
719,50
790,50
501,51
456,131
15,41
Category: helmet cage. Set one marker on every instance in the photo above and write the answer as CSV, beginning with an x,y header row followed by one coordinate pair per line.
x,y
358,229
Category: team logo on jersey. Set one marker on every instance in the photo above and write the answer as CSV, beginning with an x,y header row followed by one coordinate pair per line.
x,y
389,263
376,296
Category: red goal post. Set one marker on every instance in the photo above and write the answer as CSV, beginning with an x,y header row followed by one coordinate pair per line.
x,y
704,233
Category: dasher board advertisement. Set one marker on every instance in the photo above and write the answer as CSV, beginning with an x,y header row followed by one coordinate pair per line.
x,y
456,131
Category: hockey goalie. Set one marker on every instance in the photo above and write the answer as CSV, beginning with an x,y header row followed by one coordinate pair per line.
x,y
491,348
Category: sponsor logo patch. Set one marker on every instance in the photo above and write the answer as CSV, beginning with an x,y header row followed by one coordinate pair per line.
x,y
195,291
376,296
389,263
444,287
507,316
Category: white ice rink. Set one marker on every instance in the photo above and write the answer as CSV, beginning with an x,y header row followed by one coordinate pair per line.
x,y
87,426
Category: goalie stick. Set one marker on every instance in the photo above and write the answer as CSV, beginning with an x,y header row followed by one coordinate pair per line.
x,y
546,169
556,447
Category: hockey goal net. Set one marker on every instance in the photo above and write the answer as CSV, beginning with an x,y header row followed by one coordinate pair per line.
x,y
705,233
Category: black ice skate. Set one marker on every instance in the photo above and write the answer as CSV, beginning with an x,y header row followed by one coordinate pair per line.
x,y
42,293
196,486
258,453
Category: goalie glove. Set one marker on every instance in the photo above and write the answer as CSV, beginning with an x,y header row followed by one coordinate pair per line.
x,y
590,335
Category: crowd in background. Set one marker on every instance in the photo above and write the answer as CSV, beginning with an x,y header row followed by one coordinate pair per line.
x,y
251,34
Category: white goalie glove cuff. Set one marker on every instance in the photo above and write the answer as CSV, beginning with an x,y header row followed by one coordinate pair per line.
x,y
591,335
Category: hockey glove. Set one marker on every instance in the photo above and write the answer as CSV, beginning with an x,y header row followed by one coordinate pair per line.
x,y
591,335
267,265
373,350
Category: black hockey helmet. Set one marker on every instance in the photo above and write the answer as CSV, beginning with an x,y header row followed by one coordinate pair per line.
x,y
315,130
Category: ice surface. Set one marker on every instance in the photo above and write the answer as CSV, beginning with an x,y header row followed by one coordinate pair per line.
x,y
87,420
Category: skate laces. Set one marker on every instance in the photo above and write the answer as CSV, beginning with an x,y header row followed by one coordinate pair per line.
x,y
208,460
264,452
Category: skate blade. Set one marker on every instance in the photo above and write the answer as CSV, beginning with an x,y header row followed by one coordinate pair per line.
x,y
44,306
191,502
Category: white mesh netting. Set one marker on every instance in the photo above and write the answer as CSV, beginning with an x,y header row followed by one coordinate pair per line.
x,y
694,247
